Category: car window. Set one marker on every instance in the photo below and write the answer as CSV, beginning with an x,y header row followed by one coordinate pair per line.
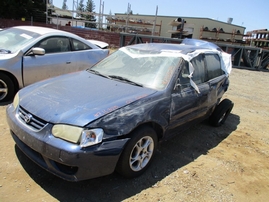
x,y
152,69
78,45
54,45
199,69
213,66
184,80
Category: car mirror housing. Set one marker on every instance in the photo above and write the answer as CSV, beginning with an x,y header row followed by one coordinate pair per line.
x,y
38,51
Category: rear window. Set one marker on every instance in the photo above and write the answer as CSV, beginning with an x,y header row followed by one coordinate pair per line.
x,y
79,46
206,67
213,66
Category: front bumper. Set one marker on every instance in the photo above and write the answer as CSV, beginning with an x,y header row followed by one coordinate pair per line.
x,y
66,160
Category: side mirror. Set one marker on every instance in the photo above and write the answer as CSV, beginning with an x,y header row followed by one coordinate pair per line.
x,y
38,51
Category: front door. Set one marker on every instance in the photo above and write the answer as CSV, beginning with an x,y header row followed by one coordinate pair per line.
x,y
187,104
58,60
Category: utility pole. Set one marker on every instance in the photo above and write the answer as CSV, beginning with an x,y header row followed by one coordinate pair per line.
x,y
154,24
99,16
46,11
128,13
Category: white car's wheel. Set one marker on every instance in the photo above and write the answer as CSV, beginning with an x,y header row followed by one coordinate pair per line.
x,y
7,90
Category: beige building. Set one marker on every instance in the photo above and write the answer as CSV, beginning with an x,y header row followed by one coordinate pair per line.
x,y
177,27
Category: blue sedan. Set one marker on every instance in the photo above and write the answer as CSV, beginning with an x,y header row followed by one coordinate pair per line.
x,y
115,113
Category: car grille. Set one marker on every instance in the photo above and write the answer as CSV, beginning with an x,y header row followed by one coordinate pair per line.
x,y
31,120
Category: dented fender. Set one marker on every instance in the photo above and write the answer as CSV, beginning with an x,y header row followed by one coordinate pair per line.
x,y
153,109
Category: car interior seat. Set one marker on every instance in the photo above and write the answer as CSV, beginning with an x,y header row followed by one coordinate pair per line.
x,y
52,46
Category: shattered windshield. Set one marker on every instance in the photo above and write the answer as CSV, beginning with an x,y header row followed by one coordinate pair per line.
x,y
13,39
152,69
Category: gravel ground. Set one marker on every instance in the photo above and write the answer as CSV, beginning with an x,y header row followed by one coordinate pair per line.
x,y
229,163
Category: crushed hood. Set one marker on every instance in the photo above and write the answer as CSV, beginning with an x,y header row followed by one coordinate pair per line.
x,y
78,98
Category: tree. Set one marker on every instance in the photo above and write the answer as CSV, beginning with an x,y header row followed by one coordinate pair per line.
x,y
65,7
90,8
129,10
80,9
18,9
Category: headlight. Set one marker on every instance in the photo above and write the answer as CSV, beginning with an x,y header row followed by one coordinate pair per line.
x,y
91,137
66,132
86,137
16,101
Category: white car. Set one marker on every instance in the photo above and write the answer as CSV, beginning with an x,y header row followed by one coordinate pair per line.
x,y
29,54
100,44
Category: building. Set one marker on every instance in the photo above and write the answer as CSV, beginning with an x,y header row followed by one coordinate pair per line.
x,y
65,18
177,27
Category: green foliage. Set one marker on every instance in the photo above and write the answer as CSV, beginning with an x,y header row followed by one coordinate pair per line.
x,y
80,9
90,6
18,9
65,7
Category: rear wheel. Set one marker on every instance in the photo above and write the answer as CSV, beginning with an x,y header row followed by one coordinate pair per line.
x,y
138,153
221,112
7,89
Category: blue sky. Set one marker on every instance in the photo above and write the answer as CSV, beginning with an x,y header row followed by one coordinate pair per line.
x,y
247,13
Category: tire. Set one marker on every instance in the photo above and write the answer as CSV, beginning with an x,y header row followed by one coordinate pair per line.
x,y
221,112
138,153
7,90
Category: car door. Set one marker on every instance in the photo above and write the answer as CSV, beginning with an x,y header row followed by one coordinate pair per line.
x,y
216,79
187,104
58,60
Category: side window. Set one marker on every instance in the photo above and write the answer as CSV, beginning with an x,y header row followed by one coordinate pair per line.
x,y
213,66
184,80
54,44
199,69
78,45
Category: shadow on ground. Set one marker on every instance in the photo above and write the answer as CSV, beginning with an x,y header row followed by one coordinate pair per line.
x,y
5,103
170,156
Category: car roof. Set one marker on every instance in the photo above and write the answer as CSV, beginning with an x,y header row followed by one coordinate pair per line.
x,y
40,30
188,49
187,46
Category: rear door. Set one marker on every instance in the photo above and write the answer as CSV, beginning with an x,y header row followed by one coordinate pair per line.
x,y
216,78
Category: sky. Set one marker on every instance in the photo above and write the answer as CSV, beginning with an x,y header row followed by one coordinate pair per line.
x,y
250,14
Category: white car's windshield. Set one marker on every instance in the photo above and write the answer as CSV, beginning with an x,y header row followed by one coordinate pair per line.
x,y
13,39
152,69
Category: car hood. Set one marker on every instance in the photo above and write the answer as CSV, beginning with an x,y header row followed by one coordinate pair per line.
x,y
78,98
7,56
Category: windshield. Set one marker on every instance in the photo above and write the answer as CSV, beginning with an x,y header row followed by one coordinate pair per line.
x,y
13,39
152,69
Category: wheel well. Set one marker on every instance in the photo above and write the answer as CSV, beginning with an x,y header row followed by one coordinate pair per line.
x,y
158,129
13,78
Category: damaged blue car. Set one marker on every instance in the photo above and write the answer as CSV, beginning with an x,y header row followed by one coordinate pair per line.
x,y
112,116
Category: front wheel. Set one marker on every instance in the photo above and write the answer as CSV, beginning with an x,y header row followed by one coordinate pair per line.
x,y
221,112
7,89
138,153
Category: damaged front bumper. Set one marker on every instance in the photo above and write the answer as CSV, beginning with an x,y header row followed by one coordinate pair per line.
x,y
64,159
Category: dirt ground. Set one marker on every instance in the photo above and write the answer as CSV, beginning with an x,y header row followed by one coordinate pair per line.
x,y
229,163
